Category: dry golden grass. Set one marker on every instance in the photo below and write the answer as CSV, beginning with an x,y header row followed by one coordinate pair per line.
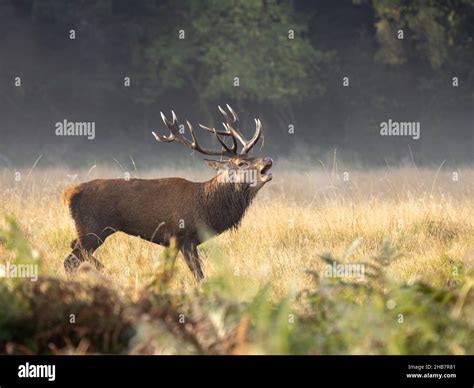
x,y
296,217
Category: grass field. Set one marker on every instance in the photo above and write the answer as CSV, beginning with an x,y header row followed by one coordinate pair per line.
x,y
427,216
296,217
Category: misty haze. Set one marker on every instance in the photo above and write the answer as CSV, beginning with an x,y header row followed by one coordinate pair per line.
x,y
323,77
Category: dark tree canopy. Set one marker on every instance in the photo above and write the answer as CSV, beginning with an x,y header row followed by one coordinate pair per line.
x,y
281,60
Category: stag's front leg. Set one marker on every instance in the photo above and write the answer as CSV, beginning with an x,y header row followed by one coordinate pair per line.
x,y
191,256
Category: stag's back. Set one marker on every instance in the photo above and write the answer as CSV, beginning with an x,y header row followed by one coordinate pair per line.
x,y
145,208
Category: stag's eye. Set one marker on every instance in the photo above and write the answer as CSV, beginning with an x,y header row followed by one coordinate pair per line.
x,y
243,164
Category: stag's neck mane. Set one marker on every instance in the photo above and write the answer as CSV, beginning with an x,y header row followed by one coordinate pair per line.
x,y
225,203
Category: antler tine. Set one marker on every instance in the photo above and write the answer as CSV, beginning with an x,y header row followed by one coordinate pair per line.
x,y
234,141
236,118
217,133
165,139
229,125
224,113
251,143
174,135
195,145
233,148
212,130
247,145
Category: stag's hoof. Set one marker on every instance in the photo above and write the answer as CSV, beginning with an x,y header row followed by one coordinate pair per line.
x,y
71,263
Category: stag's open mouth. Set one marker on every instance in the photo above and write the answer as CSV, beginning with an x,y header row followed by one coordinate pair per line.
x,y
264,172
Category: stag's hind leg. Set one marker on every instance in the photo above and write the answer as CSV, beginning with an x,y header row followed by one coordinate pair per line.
x,y
74,259
83,248
191,256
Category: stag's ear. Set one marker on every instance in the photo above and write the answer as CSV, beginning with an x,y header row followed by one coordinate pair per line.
x,y
215,164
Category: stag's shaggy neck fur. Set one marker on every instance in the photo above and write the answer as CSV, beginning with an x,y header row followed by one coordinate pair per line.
x,y
224,204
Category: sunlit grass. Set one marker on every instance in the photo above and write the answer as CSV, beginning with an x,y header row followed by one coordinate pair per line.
x,y
296,217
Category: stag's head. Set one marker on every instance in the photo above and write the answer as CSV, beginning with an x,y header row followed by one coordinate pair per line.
x,y
238,167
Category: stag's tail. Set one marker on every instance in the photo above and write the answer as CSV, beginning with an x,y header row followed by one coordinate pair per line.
x,y
69,194
70,198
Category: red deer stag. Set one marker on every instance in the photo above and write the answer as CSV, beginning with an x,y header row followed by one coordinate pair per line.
x,y
162,210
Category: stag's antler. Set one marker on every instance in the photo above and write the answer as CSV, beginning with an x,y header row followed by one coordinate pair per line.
x,y
234,134
175,135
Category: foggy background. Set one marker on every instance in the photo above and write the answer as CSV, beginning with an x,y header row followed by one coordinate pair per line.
x,y
285,82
